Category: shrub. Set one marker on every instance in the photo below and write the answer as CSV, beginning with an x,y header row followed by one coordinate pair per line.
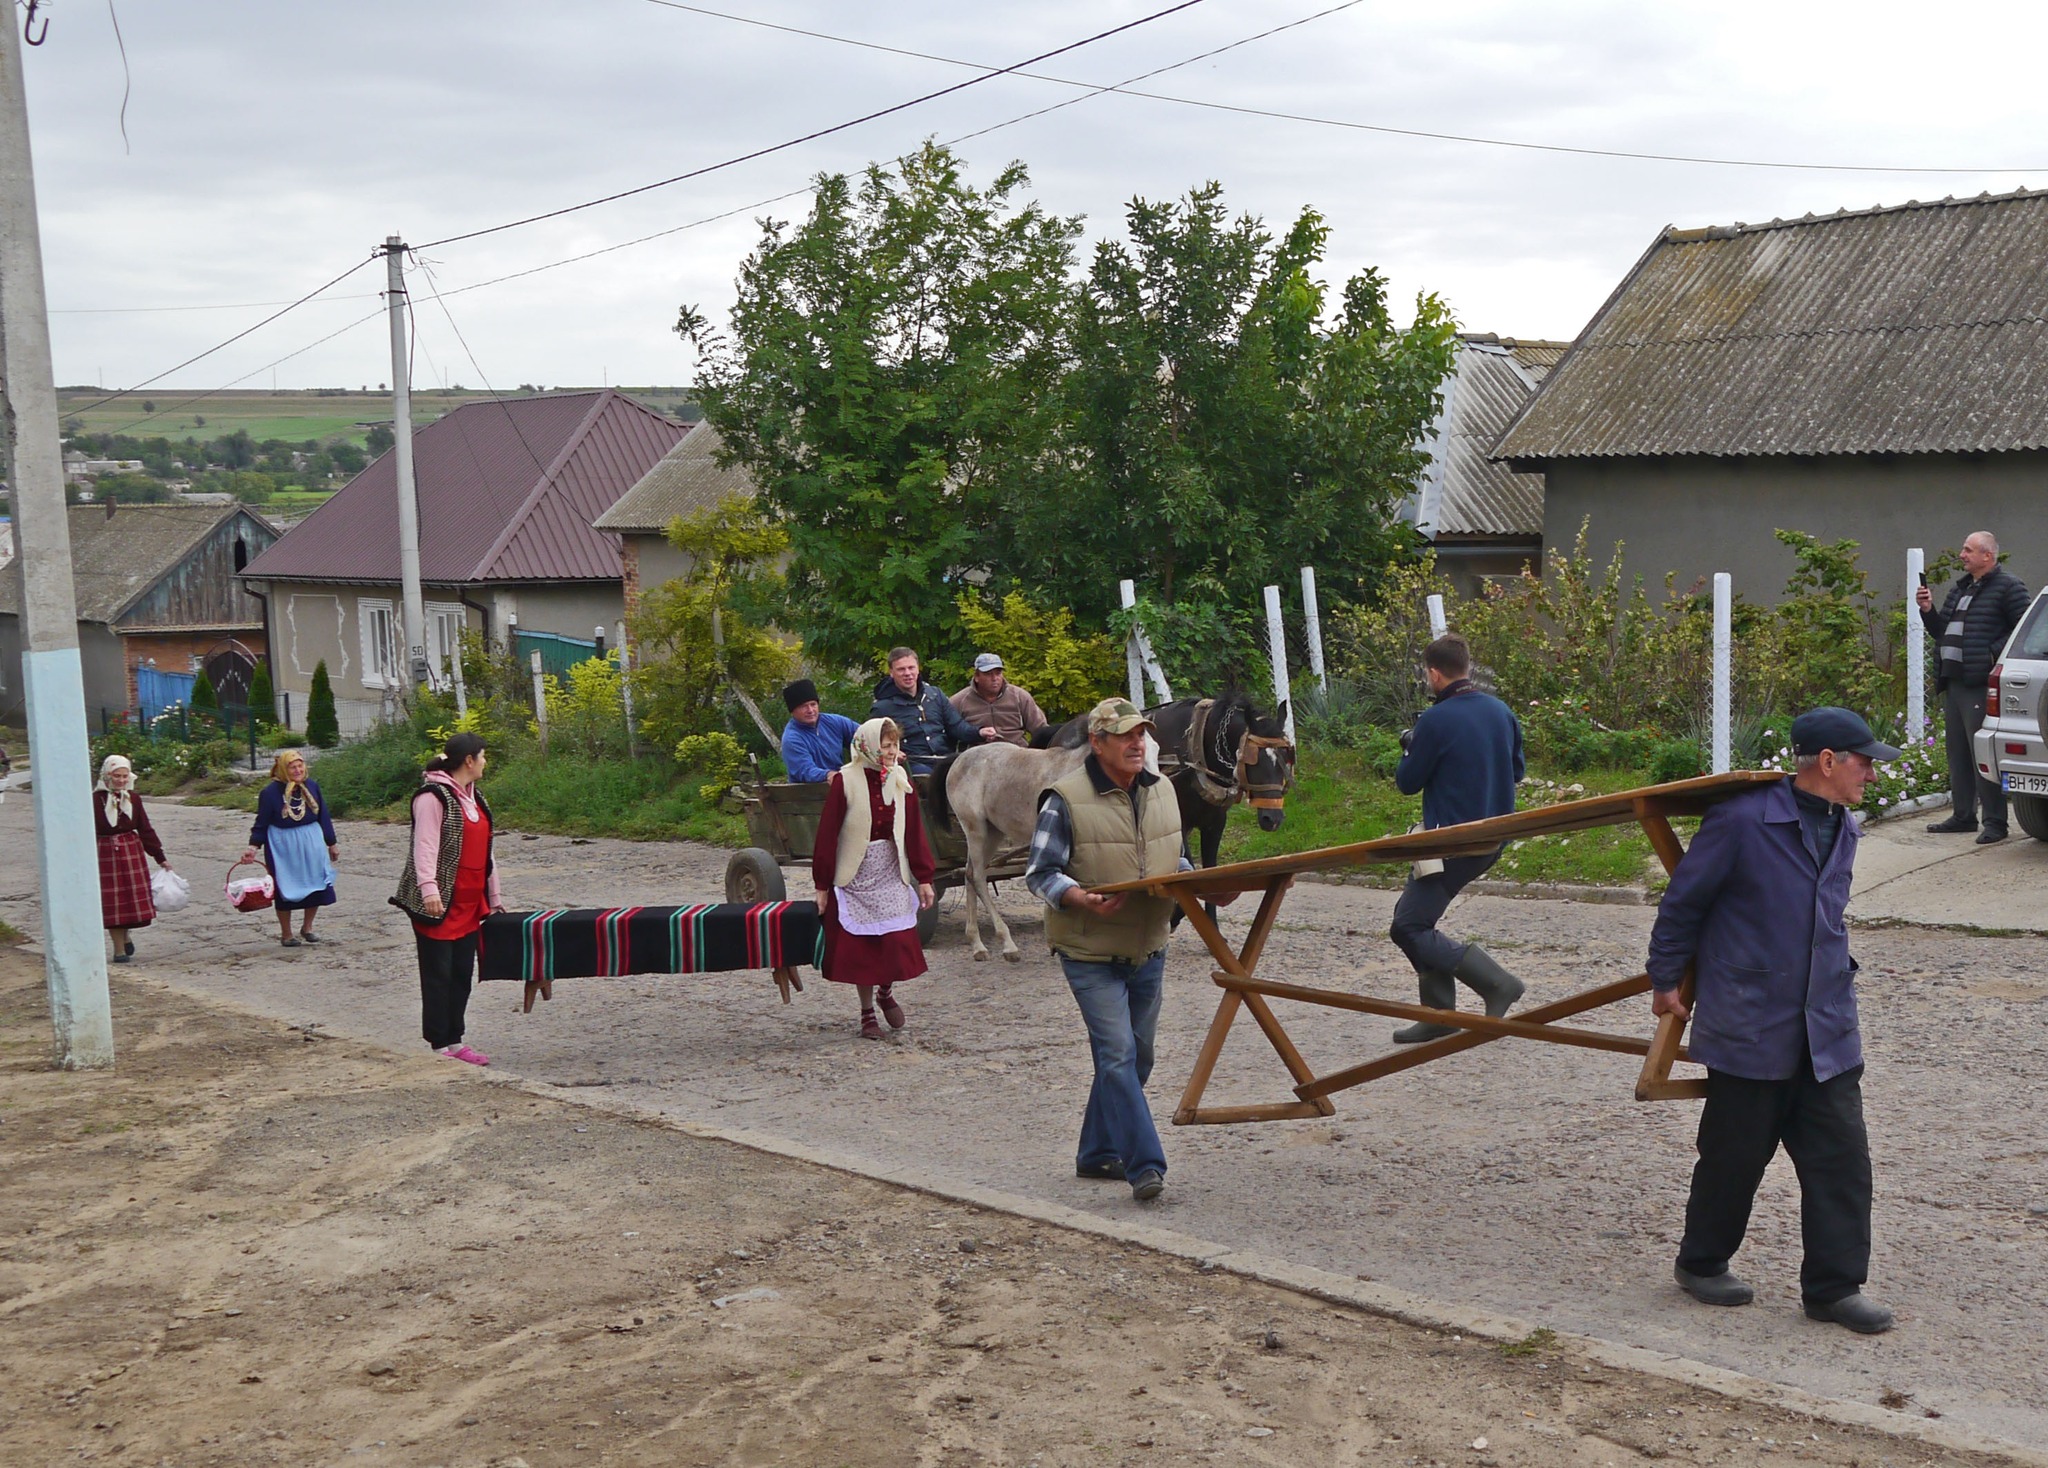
x,y
262,697
717,756
203,696
323,731
378,770
1065,671
587,713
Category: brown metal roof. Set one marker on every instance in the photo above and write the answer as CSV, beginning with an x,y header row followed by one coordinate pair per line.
x,y
685,481
507,491
116,559
1463,492
1916,329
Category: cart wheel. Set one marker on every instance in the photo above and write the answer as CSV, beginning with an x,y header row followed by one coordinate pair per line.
x,y
752,876
928,922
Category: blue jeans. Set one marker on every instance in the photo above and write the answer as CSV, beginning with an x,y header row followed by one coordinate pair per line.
x,y
1120,1003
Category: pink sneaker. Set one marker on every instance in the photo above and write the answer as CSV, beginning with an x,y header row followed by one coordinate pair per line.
x,y
463,1052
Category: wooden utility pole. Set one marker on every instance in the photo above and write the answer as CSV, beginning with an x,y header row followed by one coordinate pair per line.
x,y
53,680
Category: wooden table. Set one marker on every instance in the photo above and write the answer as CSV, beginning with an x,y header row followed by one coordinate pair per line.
x,y
1652,807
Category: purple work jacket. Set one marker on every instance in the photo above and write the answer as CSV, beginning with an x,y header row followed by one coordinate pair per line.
x,y
1762,925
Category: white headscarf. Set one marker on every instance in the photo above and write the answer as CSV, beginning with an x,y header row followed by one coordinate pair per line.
x,y
854,835
121,803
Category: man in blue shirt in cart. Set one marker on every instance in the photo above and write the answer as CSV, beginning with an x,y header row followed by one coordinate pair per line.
x,y
814,743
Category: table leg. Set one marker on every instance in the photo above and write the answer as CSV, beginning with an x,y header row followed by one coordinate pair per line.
x,y
1655,1082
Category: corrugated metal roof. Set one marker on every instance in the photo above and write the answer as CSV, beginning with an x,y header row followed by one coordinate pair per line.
x,y
507,491
116,559
687,480
1916,329
1463,492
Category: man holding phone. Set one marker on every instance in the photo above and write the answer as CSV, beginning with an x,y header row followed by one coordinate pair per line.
x,y
1969,632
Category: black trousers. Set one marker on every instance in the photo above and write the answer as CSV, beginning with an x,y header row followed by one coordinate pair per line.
x,y
1820,1124
445,970
1423,903
1962,715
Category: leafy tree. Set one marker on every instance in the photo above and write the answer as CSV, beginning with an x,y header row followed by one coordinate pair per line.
x,y
888,358
1223,409
251,486
1065,671
236,450
347,458
323,730
379,438
262,697
129,489
203,696
702,634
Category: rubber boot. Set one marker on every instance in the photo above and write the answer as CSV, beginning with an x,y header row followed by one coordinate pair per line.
x,y
1495,986
1439,991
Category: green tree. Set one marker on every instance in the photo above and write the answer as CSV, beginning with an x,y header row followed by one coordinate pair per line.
x,y
262,697
251,486
1065,671
129,489
703,634
323,731
888,359
203,696
379,438
1221,408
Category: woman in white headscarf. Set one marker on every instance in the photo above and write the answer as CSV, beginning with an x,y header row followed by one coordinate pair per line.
x,y
872,868
125,835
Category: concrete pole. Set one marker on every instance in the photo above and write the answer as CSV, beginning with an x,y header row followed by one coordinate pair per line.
x,y
1438,626
1313,617
415,612
1134,669
1916,649
1276,647
626,694
53,678
540,702
455,670
1724,647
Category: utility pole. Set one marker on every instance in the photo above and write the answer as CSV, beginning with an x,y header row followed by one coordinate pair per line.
x,y
415,612
53,680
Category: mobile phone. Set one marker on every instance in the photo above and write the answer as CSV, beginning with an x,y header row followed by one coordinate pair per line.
x,y
1923,578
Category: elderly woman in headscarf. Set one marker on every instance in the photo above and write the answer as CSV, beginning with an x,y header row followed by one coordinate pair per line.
x,y
125,835
297,837
872,868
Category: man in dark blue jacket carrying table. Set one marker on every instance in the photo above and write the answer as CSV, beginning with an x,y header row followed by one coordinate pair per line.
x,y
1465,756
1755,908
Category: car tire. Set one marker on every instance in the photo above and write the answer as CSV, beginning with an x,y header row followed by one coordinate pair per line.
x,y
2031,811
752,876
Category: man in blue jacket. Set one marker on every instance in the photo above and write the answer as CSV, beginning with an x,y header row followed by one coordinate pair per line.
x,y
1755,911
932,727
814,743
1465,756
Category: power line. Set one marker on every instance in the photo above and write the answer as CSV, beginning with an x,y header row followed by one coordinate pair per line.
x,y
434,287
223,306
214,391
823,132
1126,88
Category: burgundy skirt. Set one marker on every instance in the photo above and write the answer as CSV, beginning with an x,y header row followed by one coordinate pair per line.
x,y
125,900
864,958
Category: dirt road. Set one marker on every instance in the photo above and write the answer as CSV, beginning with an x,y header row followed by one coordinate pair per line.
x,y
247,1245
1520,1180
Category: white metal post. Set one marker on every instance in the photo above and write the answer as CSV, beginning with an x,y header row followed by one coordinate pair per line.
x,y
1438,626
1134,669
415,612
540,701
1724,642
1276,648
1916,649
455,671
1313,618
626,694
53,676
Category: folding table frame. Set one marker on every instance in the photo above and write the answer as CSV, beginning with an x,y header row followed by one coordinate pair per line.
x,y
1652,807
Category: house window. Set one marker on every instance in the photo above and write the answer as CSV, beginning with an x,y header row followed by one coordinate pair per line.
x,y
444,641
381,667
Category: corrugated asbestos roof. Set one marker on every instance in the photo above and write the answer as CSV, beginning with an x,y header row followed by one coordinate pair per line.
x,y
1916,329
507,491
686,480
1463,492
116,559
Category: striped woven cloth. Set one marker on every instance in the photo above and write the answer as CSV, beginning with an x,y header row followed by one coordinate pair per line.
x,y
590,942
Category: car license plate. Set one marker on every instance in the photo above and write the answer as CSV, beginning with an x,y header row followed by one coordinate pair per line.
x,y
2026,784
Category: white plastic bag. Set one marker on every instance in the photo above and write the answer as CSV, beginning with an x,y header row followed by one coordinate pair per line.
x,y
169,891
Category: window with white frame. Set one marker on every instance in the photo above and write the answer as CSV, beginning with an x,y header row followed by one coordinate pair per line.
x,y
445,621
381,667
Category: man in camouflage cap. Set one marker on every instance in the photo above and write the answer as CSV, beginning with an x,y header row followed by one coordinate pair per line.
x,y
1112,821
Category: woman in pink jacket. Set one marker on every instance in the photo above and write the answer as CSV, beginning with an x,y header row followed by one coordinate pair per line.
x,y
447,887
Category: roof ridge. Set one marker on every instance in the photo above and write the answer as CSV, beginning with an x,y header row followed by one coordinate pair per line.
x,y
1675,235
517,519
1815,333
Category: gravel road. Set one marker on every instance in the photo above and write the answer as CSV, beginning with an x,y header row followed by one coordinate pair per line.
x,y
1519,1178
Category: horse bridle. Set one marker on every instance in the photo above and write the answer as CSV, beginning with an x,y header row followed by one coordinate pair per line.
x,y
1261,794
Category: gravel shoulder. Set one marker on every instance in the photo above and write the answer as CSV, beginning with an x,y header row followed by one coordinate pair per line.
x,y
1520,1180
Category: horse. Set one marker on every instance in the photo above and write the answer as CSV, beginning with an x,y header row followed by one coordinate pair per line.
x,y
1216,751
991,791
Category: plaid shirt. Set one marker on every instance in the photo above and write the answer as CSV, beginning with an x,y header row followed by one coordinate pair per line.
x,y
1052,847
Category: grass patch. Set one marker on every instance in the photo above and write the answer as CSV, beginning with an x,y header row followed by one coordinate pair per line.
x,y
1338,797
10,933
1537,1341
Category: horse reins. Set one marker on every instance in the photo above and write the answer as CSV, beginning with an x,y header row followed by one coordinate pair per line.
x,y
1262,795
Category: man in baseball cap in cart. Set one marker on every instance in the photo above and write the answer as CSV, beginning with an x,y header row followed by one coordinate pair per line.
x,y
1756,908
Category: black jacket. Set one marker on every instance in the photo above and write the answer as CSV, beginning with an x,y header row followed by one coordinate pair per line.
x,y
932,727
2001,600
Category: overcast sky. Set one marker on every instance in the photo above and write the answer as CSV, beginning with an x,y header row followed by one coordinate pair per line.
x,y
272,145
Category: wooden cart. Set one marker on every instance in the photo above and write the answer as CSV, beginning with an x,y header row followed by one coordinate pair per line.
x,y
1243,990
782,820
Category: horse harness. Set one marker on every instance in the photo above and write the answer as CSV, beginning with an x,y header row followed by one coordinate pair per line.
x,y
1260,794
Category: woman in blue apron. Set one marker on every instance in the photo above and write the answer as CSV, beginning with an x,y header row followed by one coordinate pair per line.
x,y
297,837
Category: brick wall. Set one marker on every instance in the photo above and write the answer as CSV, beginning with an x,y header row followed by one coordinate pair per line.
x,y
629,567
